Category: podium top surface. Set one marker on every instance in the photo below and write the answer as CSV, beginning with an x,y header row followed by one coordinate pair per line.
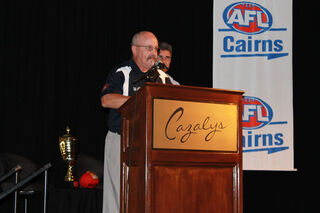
x,y
181,91
157,85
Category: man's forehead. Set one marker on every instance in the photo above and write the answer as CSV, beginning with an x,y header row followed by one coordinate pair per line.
x,y
165,52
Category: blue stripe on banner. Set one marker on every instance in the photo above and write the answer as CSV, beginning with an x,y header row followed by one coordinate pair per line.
x,y
225,30
268,55
272,29
270,150
278,122
278,29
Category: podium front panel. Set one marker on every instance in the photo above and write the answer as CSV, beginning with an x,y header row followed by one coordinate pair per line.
x,y
192,125
193,188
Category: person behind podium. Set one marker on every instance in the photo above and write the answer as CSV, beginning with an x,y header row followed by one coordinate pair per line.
x,y
122,82
165,56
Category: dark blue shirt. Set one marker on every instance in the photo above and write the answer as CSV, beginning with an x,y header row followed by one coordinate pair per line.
x,y
120,80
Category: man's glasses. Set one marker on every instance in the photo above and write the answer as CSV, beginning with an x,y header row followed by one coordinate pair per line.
x,y
149,48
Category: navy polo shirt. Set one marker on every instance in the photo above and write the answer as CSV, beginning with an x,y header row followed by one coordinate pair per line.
x,y
120,80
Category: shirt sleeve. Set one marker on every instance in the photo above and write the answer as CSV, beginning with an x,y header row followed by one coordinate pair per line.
x,y
113,83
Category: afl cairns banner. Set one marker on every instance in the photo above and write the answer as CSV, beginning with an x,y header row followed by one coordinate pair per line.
x,y
252,51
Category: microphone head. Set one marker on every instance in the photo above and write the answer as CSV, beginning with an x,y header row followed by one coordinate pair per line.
x,y
160,65
17,168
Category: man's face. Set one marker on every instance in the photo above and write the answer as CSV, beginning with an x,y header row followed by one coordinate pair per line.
x,y
165,57
145,51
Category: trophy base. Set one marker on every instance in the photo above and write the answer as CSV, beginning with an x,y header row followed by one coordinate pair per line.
x,y
69,179
69,176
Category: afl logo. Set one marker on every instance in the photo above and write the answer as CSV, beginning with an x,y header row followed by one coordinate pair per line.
x,y
247,18
256,113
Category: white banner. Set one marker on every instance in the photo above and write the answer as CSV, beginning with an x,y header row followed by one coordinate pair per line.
x,y
252,51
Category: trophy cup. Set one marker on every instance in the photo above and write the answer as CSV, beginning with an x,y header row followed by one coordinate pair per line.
x,y
68,148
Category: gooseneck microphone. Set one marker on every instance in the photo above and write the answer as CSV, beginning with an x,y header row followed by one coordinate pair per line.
x,y
152,74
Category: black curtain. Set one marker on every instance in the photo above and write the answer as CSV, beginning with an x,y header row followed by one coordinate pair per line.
x,y
55,56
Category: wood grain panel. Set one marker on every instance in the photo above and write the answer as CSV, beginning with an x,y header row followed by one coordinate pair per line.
x,y
193,189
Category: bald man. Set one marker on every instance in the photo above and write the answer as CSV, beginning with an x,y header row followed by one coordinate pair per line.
x,y
116,91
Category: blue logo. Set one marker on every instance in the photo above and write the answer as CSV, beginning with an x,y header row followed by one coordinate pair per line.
x,y
250,19
256,115
247,18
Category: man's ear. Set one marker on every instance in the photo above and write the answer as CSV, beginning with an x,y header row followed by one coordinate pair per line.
x,y
133,49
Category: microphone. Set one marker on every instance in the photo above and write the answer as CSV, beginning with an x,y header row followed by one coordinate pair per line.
x,y
160,65
11,172
152,74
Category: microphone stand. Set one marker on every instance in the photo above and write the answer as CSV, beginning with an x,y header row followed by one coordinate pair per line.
x,y
15,170
29,178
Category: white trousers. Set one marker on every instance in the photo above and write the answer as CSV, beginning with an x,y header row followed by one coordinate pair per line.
x,y
111,177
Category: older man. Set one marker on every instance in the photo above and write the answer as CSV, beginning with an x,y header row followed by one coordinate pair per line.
x,y
120,85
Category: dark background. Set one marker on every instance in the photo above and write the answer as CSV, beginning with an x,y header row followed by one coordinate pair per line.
x,y
55,56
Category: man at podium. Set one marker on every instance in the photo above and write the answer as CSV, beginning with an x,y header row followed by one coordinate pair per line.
x,y
121,83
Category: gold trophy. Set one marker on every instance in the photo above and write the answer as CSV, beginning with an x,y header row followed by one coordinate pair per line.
x,y
68,148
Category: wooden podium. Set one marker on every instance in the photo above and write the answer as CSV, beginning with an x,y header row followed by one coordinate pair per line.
x,y
181,150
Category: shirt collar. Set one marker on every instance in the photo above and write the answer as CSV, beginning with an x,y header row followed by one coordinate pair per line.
x,y
134,66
